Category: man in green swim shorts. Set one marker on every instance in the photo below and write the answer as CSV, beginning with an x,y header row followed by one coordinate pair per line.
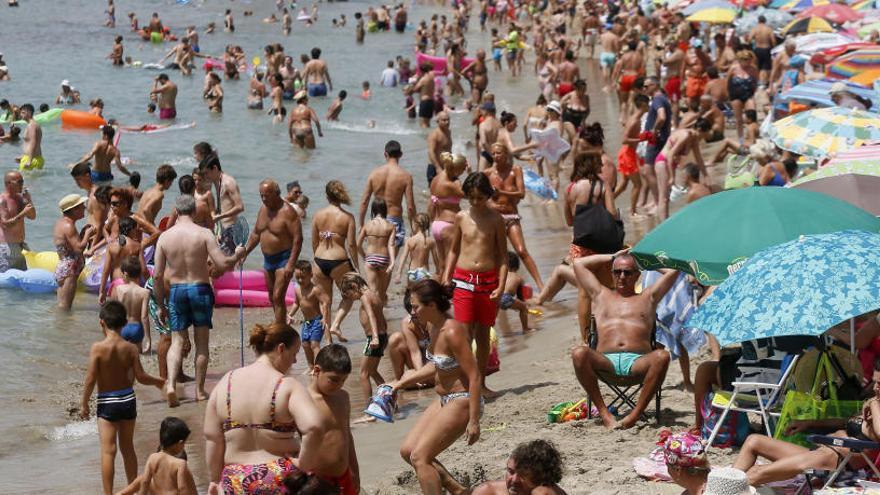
x,y
624,321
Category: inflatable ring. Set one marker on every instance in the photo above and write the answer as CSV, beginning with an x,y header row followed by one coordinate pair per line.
x,y
81,120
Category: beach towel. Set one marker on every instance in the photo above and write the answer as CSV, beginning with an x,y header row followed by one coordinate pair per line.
x,y
672,311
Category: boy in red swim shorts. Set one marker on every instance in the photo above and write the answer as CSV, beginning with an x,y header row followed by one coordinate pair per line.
x,y
476,265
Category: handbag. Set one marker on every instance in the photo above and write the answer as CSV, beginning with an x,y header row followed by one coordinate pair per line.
x,y
595,228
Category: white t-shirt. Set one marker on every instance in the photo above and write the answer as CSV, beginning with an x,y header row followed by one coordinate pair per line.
x,y
390,77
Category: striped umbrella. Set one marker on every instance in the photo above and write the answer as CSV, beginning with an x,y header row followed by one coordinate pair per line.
x,y
796,5
707,4
865,30
825,131
818,92
855,63
864,5
714,15
835,13
852,176
866,78
807,25
863,160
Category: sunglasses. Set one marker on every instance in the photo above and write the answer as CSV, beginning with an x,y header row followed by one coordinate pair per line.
x,y
115,203
626,273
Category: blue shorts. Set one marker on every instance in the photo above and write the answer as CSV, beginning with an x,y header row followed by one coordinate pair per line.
x,y
312,330
190,304
277,261
496,54
506,301
319,89
606,60
400,232
622,361
119,405
101,177
133,332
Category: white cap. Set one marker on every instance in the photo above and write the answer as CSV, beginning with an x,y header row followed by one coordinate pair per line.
x,y
555,107
65,83
838,87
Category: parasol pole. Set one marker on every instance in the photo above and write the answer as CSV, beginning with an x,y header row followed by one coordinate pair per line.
x,y
852,335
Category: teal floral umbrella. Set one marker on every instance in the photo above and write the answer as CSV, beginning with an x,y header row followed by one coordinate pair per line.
x,y
801,287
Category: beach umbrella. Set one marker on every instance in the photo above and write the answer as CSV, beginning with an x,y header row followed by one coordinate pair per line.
x,y
834,12
707,4
818,92
866,156
797,5
854,63
864,5
828,55
808,44
825,131
807,25
802,287
865,30
776,19
711,237
866,78
857,183
714,15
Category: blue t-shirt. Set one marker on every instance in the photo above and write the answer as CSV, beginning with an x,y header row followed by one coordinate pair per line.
x,y
660,101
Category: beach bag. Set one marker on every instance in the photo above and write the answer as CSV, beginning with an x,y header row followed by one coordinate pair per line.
x,y
733,431
802,405
596,229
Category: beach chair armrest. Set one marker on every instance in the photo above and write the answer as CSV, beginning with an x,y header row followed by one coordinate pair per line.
x,y
849,443
755,385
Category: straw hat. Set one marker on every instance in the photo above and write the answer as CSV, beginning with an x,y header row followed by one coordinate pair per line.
x,y
71,201
728,481
300,95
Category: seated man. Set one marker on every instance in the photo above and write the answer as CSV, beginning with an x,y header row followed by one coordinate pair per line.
x,y
533,468
624,322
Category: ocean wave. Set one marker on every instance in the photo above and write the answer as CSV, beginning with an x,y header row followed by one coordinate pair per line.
x,y
376,128
72,431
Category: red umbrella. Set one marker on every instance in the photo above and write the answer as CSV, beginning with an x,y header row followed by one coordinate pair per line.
x,y
826,56
833,12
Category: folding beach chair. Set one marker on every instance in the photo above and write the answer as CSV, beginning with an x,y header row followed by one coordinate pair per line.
x,y
626,389
857,448
753,395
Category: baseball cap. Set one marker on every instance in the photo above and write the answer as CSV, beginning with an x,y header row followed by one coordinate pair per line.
x,y
838,87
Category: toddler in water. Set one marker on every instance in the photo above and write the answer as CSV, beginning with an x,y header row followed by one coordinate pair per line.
x,y
366,94
136,301
114,364
418,249
510,299
166,470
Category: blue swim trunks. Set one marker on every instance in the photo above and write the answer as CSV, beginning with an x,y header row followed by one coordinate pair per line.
x,y
622,361
496,53
506,301
400,232
119,405
607,59
133,332
190,304
101,177
312,330
277,261
319,89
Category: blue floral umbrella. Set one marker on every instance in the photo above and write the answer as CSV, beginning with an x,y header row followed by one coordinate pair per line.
x,y
801,287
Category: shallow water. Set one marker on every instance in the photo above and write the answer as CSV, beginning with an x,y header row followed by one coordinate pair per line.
x,y
43,353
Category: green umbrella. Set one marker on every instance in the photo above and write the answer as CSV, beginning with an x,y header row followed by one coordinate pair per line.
x,y
714,236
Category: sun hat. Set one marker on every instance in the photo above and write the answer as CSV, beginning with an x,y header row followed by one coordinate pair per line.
x,y
728,481
838,87
300,95
70,202
683,449
65,83
554,106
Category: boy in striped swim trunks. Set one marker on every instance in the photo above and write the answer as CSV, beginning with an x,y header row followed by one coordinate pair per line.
x,y
114,364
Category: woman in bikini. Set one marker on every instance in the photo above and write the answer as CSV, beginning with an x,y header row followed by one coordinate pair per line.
x,y
408,347
381,249
457,381
576,105
680,143
334,244
254,415
505,135
213,95
446,194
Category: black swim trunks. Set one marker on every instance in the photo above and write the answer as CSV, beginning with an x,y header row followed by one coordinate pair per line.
x,y
426,109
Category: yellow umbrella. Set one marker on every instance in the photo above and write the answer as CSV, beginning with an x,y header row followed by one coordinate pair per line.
x,y
866,78
804,25
716,15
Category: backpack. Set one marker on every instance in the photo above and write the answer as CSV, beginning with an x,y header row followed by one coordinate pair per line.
x,y
595,228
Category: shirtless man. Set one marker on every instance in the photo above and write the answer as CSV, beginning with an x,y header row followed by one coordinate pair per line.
x,y
630,66
227,213
709,111
278,231
166,91
439,140
391,183
183,56
300,124
31,149
286,22
182,254
155,24
425,87
696,62
476,266
15,206
763,39
507,179
151,201
568,73
289,76
99,199
116,53
487,134
316,75
608,56
780,62
624,322
104,154
590,31
696,189
478,75
674,62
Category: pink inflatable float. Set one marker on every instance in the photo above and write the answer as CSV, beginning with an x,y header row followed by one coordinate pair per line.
x,y
439,63
253,290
